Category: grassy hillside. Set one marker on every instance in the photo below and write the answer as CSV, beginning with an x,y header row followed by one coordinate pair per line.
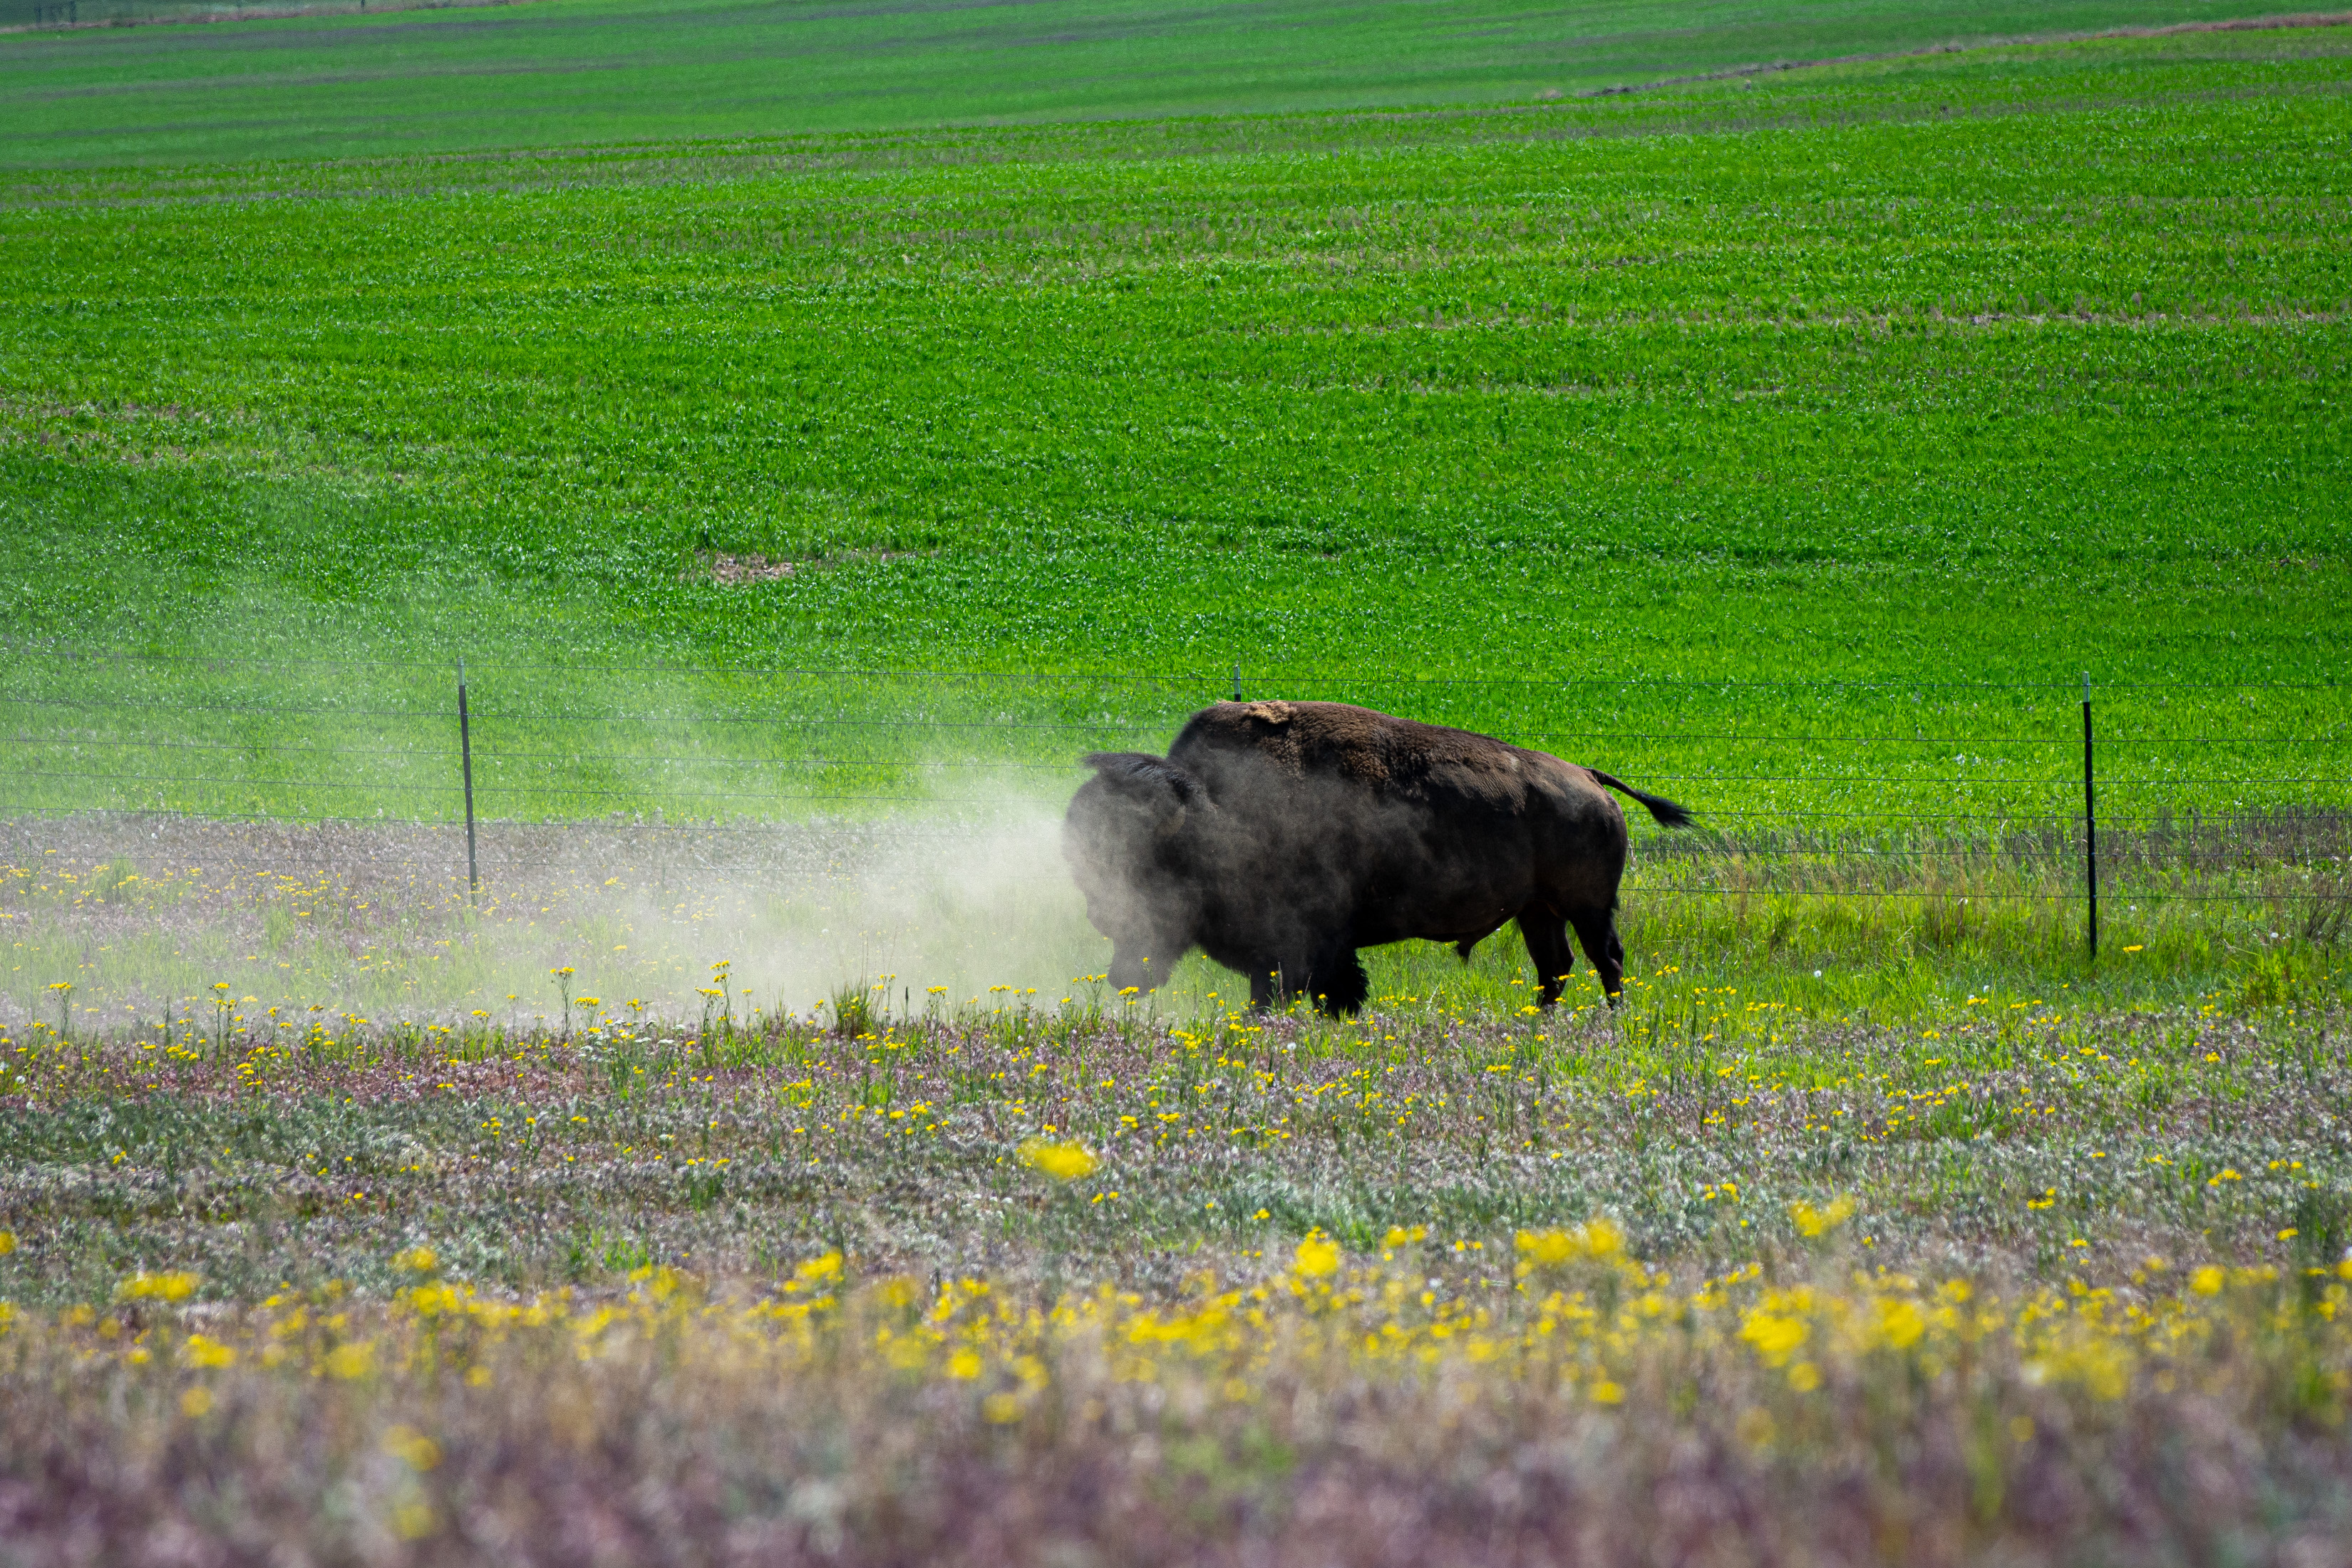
x,y
569,71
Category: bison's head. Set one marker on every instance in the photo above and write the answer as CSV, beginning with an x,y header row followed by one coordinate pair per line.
x,y
1126,838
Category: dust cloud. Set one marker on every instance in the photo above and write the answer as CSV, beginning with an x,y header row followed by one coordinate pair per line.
x,y
150,918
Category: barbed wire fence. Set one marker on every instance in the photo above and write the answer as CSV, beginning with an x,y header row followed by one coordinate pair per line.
x,y
2190,793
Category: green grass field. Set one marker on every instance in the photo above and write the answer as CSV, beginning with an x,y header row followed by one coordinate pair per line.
x,y
1970,367
752,1171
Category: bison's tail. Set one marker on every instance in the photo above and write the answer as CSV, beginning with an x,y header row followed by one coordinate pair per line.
x,y
1668,813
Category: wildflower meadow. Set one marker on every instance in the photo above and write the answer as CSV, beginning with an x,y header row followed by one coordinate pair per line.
x,y
1074,1279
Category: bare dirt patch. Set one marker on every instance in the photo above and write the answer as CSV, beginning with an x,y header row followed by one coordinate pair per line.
x,y
736,570
740,571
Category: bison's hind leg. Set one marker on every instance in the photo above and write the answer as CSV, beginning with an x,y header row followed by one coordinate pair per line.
x,y
1597,930
1547,939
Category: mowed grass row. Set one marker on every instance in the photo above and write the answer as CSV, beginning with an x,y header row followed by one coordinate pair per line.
x,y
1813,1276
496,78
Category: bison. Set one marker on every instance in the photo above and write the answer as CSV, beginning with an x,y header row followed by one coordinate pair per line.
x,y
1279,838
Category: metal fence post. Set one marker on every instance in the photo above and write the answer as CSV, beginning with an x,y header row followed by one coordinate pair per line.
x,y
2090,820
1237,682
465,766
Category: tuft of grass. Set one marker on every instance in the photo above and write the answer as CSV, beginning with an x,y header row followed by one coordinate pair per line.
x,y
852,1008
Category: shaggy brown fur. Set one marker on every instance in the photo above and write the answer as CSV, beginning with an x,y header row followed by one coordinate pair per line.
x,y
1281,837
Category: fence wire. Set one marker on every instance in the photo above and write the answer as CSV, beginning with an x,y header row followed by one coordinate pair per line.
x,y
1860,784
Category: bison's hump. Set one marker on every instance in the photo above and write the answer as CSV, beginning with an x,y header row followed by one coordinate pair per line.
x,y
1380,750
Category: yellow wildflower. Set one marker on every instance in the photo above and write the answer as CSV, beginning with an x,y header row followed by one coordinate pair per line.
x,y
411,1447
165,1286
1063,1162
1600,1240
352,1361
1819,1222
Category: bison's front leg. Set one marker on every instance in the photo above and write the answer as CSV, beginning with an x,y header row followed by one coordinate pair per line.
x,y
1132,967
1336,979
1331,975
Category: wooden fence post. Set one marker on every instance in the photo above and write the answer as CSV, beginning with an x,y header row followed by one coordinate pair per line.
x,y
2090,820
